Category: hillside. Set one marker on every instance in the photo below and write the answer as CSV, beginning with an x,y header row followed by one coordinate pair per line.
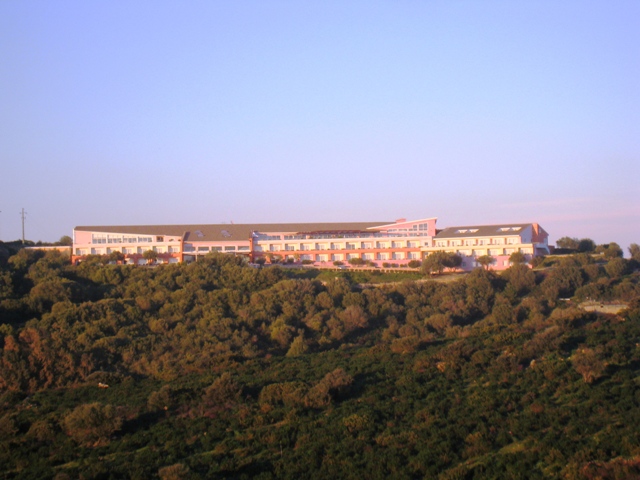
x,y
219,370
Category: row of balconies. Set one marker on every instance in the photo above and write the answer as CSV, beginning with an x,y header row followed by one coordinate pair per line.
x,y
323,247
324,257
477,242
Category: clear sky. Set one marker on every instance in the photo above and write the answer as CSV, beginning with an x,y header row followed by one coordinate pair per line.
x,y
475,112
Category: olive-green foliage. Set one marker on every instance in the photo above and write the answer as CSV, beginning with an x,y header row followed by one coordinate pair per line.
x,y
219,370
437,262
92,423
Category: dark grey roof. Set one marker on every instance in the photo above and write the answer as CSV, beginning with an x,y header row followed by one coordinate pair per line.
x,y
228,232
482,230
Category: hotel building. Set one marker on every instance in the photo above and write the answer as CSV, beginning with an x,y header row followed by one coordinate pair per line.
x,y
322,244
498,241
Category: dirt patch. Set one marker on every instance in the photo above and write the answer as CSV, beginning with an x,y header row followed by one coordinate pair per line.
x,y
602,307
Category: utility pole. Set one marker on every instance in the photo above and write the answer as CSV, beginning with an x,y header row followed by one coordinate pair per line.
x,y
23,214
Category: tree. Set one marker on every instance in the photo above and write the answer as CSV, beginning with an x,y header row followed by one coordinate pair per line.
x,y
65,240
177,471
298,346
486,261
586,245
568,243
634,251
356,261
588,364
438,261
517,258
150,256
613,250
117,256
92,423
414,264
616,267
520,277
222,394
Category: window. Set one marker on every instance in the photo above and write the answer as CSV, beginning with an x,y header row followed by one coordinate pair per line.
x,y
98,238
243,248
159,239
229,248
203,249
216,249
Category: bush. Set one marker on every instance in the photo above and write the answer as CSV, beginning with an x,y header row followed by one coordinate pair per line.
x,y
414,264
178,471
616,267
222,394
92,423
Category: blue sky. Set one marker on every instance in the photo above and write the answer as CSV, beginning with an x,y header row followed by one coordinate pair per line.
x,y
285,111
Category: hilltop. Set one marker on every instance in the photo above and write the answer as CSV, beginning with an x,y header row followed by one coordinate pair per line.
x,y
219,370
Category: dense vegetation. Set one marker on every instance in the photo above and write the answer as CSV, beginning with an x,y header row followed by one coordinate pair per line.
x,y
219,370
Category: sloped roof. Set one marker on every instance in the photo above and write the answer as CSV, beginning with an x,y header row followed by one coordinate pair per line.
x,y
228,232
483,230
